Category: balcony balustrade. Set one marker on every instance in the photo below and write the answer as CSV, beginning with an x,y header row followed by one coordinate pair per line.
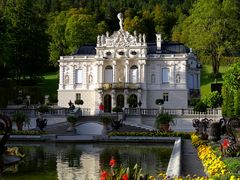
x,y
120,85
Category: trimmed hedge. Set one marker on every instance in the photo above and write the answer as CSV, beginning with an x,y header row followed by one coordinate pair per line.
x,y
25,132
184,135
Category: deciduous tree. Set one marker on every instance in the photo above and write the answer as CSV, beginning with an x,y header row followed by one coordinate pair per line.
x,y
210,27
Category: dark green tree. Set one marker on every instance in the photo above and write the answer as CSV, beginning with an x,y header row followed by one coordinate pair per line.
x,y
231,86
25,39
69,30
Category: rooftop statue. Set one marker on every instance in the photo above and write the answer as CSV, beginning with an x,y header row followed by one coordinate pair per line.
x,y
120,17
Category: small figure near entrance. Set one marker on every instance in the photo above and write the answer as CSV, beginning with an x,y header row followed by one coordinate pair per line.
x,y
101,108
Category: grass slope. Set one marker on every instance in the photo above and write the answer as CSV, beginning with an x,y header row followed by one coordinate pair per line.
x,y
207,78
50,84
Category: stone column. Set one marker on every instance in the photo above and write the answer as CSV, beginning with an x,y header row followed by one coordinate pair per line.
x,y
126,71
61,77
125,98
139,94
144,75
113,98
72,75
139,73
184,70
100,96
114,71
84,83
100,72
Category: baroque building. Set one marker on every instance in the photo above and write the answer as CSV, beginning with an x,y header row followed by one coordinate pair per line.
x,y
122,67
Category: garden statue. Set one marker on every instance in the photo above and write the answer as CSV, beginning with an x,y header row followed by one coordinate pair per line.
x,y
71,105
6,123
5,157
41,123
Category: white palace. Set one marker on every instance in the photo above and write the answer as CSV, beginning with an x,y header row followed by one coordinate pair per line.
x,y
123,65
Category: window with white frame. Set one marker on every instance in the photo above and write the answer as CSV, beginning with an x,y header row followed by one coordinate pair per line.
x,y
78,96
134,74
108,74
165,75
165,96
79,76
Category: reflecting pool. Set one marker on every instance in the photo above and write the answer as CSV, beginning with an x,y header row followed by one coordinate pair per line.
x,y
85,161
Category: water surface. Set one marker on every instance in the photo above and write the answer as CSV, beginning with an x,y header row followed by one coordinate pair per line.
x,y
85,161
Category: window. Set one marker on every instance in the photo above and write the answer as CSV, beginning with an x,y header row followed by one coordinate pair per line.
x,y
165,75
165,96
153,78
133,52
108,74
121,53
78,96
134,74
79,77
108,53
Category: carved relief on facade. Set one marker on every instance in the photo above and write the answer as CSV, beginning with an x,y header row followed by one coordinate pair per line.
x,y
178,78
66,79
120,72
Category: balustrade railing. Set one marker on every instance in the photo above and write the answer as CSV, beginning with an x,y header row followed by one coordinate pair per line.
x,y
180,112
31,112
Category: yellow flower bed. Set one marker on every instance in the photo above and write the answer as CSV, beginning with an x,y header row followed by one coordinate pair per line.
x,y
213,164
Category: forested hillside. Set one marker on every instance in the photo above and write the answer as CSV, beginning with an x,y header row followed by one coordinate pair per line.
x,y
33,34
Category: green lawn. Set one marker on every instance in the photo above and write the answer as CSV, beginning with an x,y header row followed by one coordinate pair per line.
x,y
207,78
49,84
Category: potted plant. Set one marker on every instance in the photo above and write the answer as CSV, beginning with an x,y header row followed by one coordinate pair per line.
x,y
106,120
163,120
72,120
20,118
43,109
79,101
117,109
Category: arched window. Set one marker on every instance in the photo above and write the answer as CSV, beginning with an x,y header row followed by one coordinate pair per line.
x,y
108,74
134,74
153,79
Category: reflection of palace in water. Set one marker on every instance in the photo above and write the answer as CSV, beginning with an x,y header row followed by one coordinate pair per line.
x,y
87,162
89,168
122,65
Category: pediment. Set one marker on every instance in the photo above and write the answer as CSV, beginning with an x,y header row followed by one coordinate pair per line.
x,y
121,38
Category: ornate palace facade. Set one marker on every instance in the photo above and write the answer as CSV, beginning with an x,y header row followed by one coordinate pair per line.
x,y
122,66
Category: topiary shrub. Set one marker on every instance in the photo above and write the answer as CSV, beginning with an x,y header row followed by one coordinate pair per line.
x,y
72,119
43,109
117,109
79,102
